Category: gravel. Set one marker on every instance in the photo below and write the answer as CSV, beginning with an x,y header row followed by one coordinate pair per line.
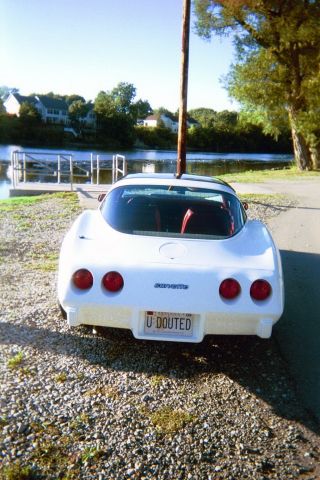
x,y
79,405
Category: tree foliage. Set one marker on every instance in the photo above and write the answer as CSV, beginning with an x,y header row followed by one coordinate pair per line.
x,y
118,113
77,110
29,114
142,109
276,75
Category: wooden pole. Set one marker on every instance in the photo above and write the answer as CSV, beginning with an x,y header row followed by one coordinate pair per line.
x,y
182,132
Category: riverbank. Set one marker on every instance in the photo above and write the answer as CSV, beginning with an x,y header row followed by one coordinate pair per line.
x,y
83,406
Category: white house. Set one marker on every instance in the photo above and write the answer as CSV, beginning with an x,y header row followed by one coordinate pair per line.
x,y
13,103
168,121
51,110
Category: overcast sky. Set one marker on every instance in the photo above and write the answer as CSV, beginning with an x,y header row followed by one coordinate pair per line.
x,y
84,46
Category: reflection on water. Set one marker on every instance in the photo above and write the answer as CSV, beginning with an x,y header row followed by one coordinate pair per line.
x,y
147,161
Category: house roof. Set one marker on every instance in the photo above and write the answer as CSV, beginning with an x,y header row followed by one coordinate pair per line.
x,y
157,116
47,102
50,102
23,98
152,117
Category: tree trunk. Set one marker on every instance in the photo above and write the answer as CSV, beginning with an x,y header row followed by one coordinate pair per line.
x,y
301,151
315,157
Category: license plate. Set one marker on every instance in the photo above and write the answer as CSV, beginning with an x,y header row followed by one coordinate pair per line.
x,y
164,323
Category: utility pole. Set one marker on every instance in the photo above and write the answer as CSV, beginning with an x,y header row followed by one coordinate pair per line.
x,y
182,132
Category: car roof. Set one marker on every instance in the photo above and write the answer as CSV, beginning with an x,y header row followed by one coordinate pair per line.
x,y
171,178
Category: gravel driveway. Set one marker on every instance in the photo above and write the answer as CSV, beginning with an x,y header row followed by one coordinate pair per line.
x,y
75,405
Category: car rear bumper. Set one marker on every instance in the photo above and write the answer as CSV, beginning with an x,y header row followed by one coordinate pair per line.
x,y
208,323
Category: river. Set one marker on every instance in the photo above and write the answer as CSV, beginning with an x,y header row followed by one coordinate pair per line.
x,y
202,163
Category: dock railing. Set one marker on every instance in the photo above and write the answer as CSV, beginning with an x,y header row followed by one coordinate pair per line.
x,y
119,167
63,169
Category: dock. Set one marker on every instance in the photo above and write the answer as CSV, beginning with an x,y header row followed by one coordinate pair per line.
x,y
55,172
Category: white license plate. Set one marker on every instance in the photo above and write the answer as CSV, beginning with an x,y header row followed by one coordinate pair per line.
x,y
164,323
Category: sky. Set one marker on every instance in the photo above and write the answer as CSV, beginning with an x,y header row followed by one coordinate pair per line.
x,y
85,46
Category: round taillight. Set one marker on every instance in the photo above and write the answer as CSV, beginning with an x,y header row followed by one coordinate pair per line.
x,y
82,279
112,281
229,288
260,290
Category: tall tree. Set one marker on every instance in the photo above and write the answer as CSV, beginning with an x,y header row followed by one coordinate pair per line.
x,y
205,116
142,109
29,114
277,70
116,113
77,110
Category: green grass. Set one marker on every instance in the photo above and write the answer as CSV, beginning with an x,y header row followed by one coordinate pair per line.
x,y
15,361
14,203
267,198
47,262
91,454
168,420
258,176
156,380
61,377
17,472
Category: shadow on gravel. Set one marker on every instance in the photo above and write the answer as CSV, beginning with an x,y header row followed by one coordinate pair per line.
x,y
298,331
252,363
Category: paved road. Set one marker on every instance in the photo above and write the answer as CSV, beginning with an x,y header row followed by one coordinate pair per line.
x,y
297,234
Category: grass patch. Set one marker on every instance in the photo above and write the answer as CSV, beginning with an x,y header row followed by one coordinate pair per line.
x,y
24,225
3,421
14,203
268,199
168,420
156,380
46,263
70,196
91,454
15,361
61,377
17,472
258,176
107,391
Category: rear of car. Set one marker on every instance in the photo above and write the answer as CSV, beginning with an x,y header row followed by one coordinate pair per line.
x,y
171,260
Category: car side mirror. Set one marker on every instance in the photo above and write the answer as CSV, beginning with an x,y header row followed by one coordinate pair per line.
x,y
101,197
245,205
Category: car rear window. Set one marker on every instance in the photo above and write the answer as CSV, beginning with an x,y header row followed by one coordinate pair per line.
x,y
173,211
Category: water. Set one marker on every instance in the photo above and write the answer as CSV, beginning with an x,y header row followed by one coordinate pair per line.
x,y
201,163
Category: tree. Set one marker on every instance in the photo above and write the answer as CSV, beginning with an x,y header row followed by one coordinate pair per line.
x,y
29,114
277,70
205,116
77,110
70,99
116,114
142,109
123,95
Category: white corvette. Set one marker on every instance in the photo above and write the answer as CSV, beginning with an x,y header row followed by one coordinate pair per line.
x,y
171,259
